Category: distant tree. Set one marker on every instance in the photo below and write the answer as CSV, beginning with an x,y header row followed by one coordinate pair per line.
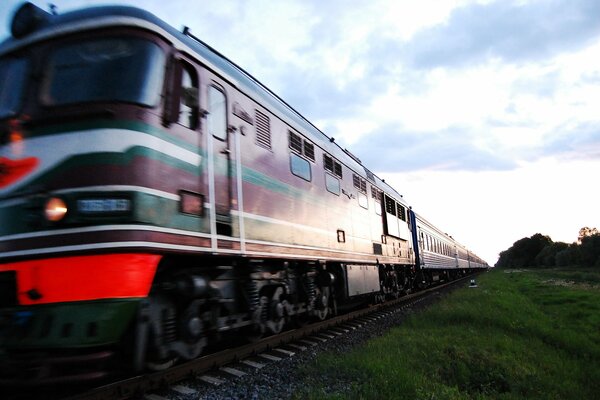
x,y
547,256
569,256
589,250
523,252
585,232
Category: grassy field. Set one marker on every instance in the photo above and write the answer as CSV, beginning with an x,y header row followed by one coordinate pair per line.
x,y
519,335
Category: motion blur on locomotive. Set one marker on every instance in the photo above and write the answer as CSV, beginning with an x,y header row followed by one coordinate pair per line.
x,y
156,198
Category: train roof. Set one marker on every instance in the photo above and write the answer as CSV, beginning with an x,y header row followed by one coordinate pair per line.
x,y
46,25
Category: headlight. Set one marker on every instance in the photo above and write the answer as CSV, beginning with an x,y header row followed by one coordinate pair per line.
x,y
55,209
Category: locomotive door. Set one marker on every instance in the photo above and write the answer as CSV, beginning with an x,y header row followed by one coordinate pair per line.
x,y
220,154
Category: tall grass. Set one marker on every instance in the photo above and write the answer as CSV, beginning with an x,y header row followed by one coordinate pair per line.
x,y
513,337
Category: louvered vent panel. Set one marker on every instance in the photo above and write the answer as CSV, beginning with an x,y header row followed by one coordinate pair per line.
x,y
390,206
263,130
401,212
295,142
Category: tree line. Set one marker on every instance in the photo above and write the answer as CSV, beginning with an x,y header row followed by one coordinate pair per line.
x,y
540,251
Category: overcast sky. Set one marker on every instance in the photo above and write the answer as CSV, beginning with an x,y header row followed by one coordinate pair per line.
x,y
483,114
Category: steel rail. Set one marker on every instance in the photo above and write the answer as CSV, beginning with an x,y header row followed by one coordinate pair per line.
x,y
138,385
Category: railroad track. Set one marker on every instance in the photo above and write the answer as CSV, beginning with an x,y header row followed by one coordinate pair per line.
x,y
136,387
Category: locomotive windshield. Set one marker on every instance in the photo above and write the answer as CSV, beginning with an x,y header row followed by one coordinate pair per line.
x,y
12,85
99,70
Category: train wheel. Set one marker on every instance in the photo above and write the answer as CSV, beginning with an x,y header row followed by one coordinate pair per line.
x,y
276,315
165,333
322,302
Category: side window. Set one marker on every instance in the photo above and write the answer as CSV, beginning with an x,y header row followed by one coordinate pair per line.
x,y
359,183
300,167
189,98
377,195
363,201
332,184
301,146
217,113
332,165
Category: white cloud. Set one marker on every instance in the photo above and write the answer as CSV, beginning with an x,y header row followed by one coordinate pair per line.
x,y
489,211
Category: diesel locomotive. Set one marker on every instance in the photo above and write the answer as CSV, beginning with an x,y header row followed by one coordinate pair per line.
x,y
155,198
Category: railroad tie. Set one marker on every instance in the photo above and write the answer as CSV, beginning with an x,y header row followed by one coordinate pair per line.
x,y
233,371
252,364
268,357
211,380
285,352
185,390
153,396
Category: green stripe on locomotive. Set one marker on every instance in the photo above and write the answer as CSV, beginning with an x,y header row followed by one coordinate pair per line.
x,y
69,325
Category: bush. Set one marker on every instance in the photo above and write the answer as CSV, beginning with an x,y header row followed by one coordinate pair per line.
x,y
523,252
589,250
547,257
540,251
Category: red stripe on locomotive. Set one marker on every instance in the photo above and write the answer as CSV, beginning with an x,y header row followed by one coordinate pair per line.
x,y
13,170
82,278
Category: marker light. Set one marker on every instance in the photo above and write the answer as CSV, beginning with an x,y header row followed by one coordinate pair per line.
x,y
55,209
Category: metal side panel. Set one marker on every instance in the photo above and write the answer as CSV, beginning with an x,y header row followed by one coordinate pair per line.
x,y
362,279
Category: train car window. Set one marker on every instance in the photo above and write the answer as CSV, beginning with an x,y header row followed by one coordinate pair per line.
x,y
263,129
376,194
359,183
295,142
76,73
217,113
13,73
301,146
189,99
332,184
337,169
363,201
300,167
309,150
332,165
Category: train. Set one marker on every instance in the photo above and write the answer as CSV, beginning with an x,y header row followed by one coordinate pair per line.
x,y
156,199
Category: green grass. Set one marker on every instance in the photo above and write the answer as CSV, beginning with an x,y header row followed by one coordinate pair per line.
x,y
516,336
